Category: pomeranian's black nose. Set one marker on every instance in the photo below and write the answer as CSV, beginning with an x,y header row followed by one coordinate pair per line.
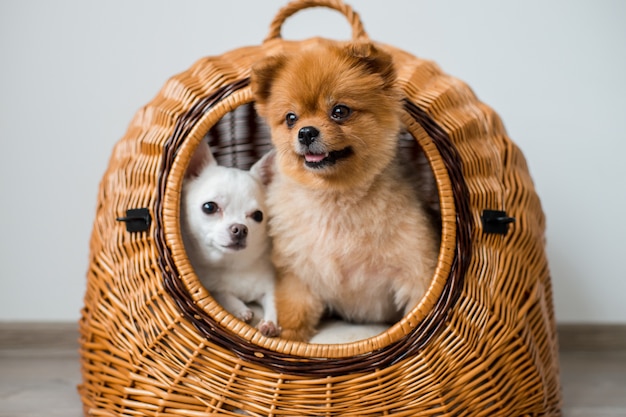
x,y
238,231
307,135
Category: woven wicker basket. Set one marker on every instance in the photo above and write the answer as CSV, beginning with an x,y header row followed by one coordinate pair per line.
x,y
482,342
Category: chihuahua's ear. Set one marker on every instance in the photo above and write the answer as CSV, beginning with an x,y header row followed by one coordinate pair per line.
x,y
375,60
201,158
263,169
263,74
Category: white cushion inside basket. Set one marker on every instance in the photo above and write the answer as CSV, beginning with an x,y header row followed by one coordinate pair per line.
x,y
333,331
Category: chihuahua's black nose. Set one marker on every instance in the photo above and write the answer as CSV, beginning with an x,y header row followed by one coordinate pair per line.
x,y
238,231
307,135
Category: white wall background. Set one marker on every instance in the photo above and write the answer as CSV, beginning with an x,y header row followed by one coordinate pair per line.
x,y
74,72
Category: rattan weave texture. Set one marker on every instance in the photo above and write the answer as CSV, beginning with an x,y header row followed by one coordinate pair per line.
x,y
481,343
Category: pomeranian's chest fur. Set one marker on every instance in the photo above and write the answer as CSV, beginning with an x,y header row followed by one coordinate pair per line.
x,y
351,247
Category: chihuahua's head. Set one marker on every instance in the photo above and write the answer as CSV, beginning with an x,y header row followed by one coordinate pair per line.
x,y
223,212
333,110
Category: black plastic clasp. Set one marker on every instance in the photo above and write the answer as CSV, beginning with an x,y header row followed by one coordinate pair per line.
x,y
495,221
137,220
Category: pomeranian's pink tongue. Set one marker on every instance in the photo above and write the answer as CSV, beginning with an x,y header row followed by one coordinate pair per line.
x,y
312,157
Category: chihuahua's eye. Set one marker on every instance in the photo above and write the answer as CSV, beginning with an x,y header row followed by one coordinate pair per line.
x,y
291,119
340,112
257,216
210,207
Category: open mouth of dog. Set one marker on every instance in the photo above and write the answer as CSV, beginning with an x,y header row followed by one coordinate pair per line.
x,y
321,160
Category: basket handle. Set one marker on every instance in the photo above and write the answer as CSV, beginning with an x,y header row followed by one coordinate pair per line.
x,y
358,31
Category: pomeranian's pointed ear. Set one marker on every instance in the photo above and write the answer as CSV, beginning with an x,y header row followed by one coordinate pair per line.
x,y
201,158
263,74
375,60
263,169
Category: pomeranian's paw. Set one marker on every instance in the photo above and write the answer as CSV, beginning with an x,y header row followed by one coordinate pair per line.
x,y
300,335
269,328
245,315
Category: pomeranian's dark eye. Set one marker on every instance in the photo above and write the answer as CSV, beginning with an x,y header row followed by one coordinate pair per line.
x,y
340,112
257,216
210,207
291,119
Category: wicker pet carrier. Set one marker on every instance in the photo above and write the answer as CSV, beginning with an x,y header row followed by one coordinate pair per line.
x,y
482,342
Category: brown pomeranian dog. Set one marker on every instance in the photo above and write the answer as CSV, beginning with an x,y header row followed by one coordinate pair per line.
x,y
351,234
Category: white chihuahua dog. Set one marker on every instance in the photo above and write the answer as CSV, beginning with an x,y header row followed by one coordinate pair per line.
x,y
224,228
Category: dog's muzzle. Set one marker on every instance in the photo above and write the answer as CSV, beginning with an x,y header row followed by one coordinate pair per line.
x,y
238,234
307,135
314,152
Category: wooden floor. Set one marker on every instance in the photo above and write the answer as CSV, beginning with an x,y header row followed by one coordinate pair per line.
x,y
39,371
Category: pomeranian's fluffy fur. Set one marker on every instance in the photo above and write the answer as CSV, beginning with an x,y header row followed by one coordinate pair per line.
x,y
224,228
350,232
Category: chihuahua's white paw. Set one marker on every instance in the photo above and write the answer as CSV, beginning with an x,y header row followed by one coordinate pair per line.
x,y
269,328
245,315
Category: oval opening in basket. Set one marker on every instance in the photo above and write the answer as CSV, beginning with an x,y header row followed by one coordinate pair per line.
x,y
229,130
